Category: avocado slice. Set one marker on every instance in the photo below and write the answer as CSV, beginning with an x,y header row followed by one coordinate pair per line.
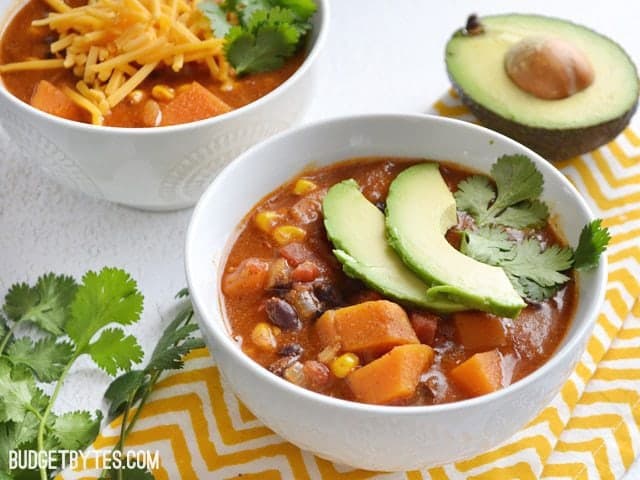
x,y
420,210
356,229
556,129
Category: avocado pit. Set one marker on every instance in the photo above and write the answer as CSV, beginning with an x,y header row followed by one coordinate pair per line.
x,y
549,68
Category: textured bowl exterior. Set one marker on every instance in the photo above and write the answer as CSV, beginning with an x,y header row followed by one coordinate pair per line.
x,y
359,435
163,168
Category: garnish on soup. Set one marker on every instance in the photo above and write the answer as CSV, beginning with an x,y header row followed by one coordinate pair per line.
x,y
150,62
404,282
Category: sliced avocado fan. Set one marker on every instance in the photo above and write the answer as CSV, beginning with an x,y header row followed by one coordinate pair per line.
x,y
420,210
357,230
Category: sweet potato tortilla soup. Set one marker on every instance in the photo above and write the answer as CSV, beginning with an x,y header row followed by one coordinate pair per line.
x,y
149,63
398,281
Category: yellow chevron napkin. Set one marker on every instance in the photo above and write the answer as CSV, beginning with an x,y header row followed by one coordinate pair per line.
x,y
591,429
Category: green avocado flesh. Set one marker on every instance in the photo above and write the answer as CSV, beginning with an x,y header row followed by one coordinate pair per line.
x,y
420,210
475,64
356,229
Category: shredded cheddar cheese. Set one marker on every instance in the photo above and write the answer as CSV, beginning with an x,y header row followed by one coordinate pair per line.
x,y
113,45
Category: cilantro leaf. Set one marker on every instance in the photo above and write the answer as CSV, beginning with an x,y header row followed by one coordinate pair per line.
x,y
542,267
303,9
474,195
127,386
76,430
183,293
110,296
16,395
264,44
515,204
46,304
45,357
593,241
114,351
534,272
174,344
530,213
246,9
129,474
217,17
488,245
517,179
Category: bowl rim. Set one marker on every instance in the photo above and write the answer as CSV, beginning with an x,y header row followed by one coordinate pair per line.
x,y
317,46
225,340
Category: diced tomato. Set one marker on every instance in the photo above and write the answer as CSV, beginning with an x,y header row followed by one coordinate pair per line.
x,y
305,272
425,325
296,253
248,277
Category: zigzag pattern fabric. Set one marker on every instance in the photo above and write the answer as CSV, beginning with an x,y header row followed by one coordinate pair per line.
x,y
591,429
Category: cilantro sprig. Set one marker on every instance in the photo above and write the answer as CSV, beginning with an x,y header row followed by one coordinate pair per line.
x,y
516,202
74,320
259,35
535,270
135,386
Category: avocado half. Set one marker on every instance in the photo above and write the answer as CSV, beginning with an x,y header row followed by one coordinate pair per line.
x,y
556,129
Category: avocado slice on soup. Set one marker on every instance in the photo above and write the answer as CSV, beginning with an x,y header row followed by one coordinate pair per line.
x,y
357,230
420,211
557,87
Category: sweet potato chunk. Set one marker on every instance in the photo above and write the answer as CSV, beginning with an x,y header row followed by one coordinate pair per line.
x,y
480,374
479,331
248,277
393,377
194,103
49,98
369,328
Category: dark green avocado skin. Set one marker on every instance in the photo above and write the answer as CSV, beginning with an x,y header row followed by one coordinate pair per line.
x,y
552,144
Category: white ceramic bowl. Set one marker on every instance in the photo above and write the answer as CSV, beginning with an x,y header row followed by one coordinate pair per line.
x,y
162,168
367,436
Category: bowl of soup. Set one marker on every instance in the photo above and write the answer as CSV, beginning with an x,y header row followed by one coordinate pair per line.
x,y
142,103
397,291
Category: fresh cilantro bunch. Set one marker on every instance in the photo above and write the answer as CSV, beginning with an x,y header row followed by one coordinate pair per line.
x,y
259,34
536,271
73,320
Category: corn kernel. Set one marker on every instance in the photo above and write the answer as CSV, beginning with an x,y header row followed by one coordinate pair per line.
x,y
263,337
163,92
304,186
289,233
344,364
183,88
267,220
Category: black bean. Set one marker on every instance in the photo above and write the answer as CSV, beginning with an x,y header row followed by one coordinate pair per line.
x,y
279,366
291,349
304,301
282,314
328,295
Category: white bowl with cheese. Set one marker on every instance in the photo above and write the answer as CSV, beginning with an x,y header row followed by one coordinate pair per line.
x,y
159,168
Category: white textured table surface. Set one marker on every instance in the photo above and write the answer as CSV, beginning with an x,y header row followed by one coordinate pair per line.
x,y
382,56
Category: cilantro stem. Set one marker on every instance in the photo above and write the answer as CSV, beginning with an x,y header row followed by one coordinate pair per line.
x,y
143,400
8,336
47,411
120,445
